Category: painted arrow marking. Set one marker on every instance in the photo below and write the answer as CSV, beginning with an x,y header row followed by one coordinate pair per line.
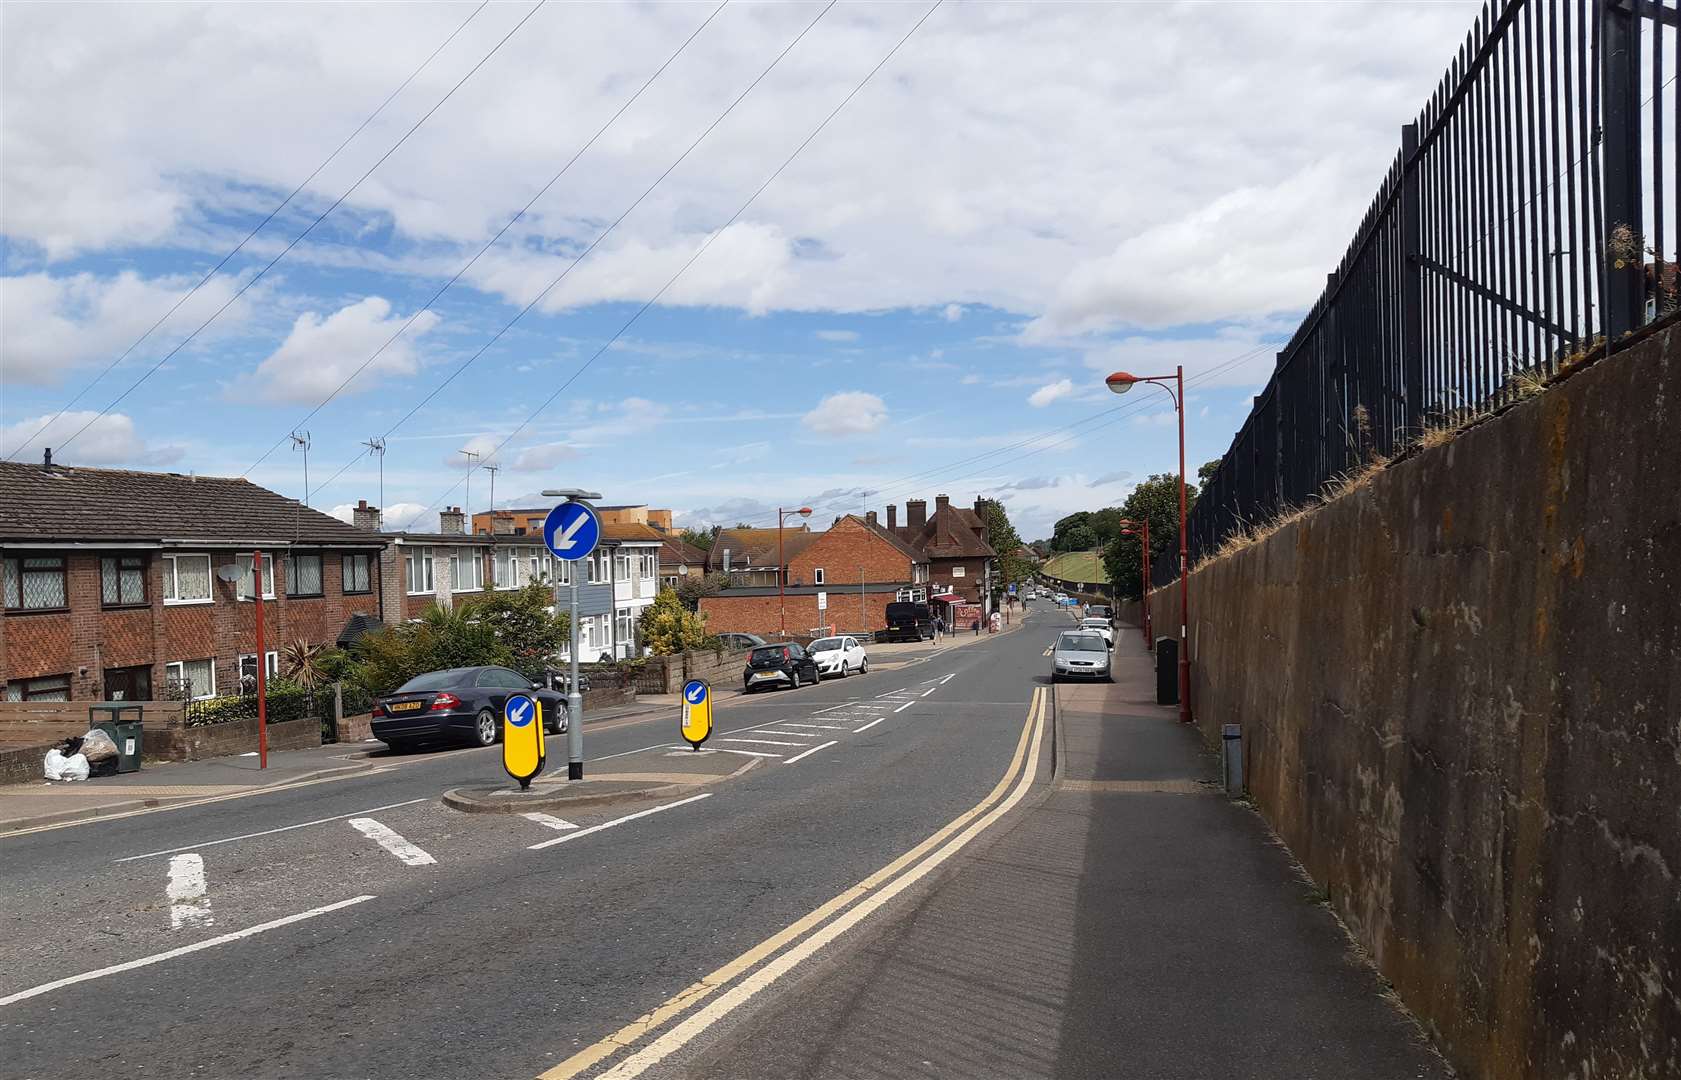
x,y
564,541
696,694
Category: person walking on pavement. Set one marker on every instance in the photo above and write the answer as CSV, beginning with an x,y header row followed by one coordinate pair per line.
x,y
939,628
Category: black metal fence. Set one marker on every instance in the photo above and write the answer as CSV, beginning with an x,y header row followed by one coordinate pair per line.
x,y
287,702
1529,213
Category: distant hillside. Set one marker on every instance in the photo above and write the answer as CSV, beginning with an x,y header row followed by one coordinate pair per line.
x,y
1077,566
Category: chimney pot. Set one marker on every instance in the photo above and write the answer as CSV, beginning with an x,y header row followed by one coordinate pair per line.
x,y
47,459
892,517
941,502
870,517
916,514
365,517
451,520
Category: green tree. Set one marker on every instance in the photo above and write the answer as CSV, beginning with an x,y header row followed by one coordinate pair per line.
x,y
1060,540
441,638
1004,539
695,586
668,627
700,538
1205,472
1106,523
1079,538
524,624
1156,500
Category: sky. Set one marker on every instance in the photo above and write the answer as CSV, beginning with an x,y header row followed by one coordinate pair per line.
x,y
922,299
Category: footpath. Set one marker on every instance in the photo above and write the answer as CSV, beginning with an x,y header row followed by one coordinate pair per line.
x,y
1131,921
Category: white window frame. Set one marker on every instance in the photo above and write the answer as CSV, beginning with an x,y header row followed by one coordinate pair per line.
x,y
621,565
624,627
271,661
958,571
176,671
503,575
245,570
421,557
817,575
171,591
473,581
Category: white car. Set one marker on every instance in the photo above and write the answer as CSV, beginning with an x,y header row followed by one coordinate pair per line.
x,y
1100,626
838,656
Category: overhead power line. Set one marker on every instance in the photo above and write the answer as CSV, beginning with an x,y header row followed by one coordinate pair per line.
x,y
707,243
363,366
310,228
287,201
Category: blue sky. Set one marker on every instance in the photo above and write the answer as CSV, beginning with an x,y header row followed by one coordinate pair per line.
x,y
1002,216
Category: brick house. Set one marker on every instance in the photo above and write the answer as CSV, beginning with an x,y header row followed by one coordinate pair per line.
x,y
679,559
117,582
858,567
750,556
955,540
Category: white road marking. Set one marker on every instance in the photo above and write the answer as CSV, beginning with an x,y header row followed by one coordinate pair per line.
x,y
905,706
796,734
930,690
188,904
832,708
620,821
158,958
890,693
766,742
267,832
390,841
549,821
729,750
824,727
948,678
872,723
813,750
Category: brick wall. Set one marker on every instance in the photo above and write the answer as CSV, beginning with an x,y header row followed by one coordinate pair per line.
x,y
968,586
761,614
843,551
222,740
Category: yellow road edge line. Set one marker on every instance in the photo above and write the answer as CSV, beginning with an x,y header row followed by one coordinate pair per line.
x,y
691,995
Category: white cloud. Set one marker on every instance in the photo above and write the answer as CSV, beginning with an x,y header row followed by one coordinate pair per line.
x,y
410,517
837,335
322,351
543,456
1050,392
482,445
953,312
970,380
1112,478
109,440
851,413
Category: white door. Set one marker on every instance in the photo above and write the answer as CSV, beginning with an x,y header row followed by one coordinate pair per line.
x,y
854,653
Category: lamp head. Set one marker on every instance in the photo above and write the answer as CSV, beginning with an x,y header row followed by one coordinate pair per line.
x,y
805,511
1120,382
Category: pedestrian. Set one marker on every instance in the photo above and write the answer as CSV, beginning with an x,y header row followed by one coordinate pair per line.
x,y
939,628
977,626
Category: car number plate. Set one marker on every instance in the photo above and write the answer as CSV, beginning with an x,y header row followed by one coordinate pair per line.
x,y
404,706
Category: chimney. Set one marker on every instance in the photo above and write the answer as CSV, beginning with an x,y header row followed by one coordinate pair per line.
x,y
871,518
941,502
916,514
452,520
726,560
47,460
502,524
892,518
364,516
980,504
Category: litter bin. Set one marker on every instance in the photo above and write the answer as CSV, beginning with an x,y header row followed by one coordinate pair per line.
x,y
123,723
1167,671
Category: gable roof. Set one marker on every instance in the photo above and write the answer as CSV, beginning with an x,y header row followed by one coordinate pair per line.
x,y
757,546
675,552
948,535
882,531
630,532
75,503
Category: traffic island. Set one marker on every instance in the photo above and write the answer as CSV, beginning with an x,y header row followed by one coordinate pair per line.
x,y
658,774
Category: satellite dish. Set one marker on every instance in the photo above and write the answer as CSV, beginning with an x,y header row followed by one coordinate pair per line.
x,y
230,573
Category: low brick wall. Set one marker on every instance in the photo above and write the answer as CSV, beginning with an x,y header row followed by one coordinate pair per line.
x,y
608,696
222,740
356,728
22,764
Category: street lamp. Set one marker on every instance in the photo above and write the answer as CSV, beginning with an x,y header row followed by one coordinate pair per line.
x,y
574,699
782,565
1120,382
1141,529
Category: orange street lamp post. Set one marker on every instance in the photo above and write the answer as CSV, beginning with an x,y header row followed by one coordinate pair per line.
x,y
1141,529
1120,382
782,565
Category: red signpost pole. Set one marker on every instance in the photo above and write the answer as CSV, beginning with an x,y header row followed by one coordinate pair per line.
x,y
1184,565
262,673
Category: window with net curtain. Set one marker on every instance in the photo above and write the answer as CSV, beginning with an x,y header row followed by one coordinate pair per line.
x,y
186,577
122,580
303,575
35,583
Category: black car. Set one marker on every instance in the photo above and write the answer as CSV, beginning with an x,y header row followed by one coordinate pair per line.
x,y
907,621
778,665
460,703
742,641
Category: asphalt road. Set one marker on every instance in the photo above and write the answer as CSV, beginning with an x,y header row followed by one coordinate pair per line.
x,y
365,930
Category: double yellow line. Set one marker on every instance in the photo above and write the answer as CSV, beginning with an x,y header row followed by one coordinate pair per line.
x,y
661,1032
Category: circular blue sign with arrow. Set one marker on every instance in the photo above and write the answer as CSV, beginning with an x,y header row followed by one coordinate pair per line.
x,y
572,531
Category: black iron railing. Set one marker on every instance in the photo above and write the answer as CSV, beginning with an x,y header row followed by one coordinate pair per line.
x,y
1529,213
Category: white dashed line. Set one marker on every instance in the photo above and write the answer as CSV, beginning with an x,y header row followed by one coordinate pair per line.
x,y
188,904
765,742
267,832
930,690
905,706
728,750
873,723
390,841
948,678
549,821
832,708
813,750
825,727
619,821
795,734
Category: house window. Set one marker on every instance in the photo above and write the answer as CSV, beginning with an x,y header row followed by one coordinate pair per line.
x,y
129,683
196,677
599,566
466,570
243,590
35,583
418,563
502,574
958,571
624,627
186,579
45,688
303,575
248,669
358,575
817,576
122,580
621,566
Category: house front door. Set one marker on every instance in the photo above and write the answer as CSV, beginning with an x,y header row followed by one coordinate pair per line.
x,y
128,684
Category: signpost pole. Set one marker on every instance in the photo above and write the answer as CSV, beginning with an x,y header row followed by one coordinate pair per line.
x,y
571,533
262,680
574,699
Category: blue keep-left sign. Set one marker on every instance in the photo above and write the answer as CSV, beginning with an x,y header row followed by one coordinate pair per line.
x,y
694,692
520,710
571,531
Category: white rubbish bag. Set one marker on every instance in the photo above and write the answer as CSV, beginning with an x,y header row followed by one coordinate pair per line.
x,y
54,765
74,767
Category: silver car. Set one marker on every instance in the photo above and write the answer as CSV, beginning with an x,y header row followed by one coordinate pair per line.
x,y
1080,654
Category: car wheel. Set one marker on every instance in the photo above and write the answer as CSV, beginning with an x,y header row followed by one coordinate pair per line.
x,y
796,683
484,728
845,671
864,666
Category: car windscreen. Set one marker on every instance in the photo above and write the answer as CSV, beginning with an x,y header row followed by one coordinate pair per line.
x,y
767,652
827,644
433,680
1081,643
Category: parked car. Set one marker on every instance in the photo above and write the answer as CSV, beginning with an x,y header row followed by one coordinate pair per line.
x,y
742,641
839,656
1100,626
778,665
1101,611
461,703
907,621
1080,654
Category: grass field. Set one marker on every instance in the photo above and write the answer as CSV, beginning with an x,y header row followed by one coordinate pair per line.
x,y
1077,566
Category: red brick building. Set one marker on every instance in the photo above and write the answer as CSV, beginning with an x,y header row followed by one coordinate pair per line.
x,y
117,582
857,566
961,560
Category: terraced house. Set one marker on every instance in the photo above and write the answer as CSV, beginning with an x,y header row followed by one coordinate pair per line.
x,y
117,582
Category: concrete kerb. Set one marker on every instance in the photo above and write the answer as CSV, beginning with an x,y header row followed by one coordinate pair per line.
x,y
501,799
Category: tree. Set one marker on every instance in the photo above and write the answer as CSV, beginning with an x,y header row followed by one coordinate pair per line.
x,y
1156,500
668,627
1205,472
302,662
1060,531
1079,538
1106,523
524,624
442,638
1002,536
700,538
695,586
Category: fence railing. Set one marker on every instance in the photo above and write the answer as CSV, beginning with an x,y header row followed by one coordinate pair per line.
x,y
1529,213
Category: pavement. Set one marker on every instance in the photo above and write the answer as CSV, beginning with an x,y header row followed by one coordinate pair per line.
x,y
902,883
